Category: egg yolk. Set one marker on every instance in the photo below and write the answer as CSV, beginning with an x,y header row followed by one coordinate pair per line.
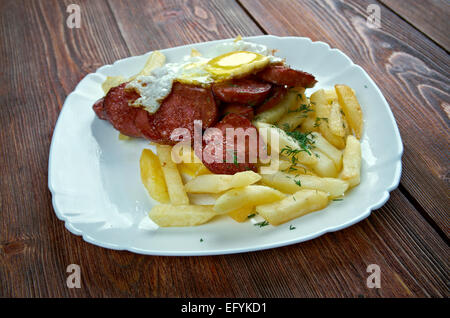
x,y
236,64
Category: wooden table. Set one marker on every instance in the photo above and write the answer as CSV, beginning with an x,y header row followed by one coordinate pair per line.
x,y
42,61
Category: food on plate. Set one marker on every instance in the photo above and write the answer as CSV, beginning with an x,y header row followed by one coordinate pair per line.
x,y
288,100
296,147
276,95
322,109
245,91
166,215
321,144
236,126
239,109
283,75
242,214
297,112
152,176
217,183
248,196
351,171
289,183
293,206
351,108
231,155
175,186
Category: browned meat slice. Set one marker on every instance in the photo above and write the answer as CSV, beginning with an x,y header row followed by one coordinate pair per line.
x,y
236,108
119,113
275,97
99,109
184,105
283,75
243,91
235,157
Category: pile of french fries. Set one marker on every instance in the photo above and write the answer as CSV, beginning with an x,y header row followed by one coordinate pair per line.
x,y
304,181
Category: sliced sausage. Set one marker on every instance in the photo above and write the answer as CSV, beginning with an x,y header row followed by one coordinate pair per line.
x,y
184,105
119,113
99,109
235,157
240,109
283,75
275,97
243,91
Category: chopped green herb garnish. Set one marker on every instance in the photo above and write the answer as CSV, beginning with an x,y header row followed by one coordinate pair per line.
x,y
318,121
304,140
261,224
201,240
338,199
291,168
291,227
302,109
251,215
298,182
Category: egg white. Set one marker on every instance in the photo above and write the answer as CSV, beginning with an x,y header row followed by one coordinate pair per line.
x,y
191,70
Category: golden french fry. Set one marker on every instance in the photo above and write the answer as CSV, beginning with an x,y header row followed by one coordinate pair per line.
x,y
278,164
216,183
293,206
287,145
323,113
275,113
124,137
335,121
300,169
331,96
351,171
309,124
175,187
346,126
288,183
352,109
152,176
296,113
241,215
321,144
112,81
168,215
195,52
245,197
193,169
156,59
324,167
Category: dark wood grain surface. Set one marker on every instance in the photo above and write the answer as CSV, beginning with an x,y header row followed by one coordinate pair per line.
x,y
428,16
43,60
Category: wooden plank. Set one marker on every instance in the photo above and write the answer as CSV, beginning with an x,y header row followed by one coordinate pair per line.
x,y
35,248
428,16
411,256
411,71
179,22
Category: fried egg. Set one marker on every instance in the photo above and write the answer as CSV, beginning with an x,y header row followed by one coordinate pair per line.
x,y
226,61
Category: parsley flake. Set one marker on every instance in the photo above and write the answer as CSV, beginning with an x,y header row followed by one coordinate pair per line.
x,y
261,224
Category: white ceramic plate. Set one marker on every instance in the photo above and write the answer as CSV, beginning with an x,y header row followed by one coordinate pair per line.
x,y
96,187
